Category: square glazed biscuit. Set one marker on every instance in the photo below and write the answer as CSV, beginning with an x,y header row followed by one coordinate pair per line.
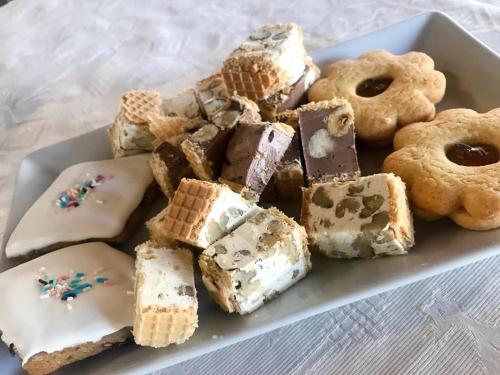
x,y
66,306
101,200
260,259
166,308
200,213
364,218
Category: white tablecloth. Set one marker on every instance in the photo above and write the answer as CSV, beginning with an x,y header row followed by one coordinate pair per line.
x,y
63,65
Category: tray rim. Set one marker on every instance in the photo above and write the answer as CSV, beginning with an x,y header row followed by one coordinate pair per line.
x,y
174,358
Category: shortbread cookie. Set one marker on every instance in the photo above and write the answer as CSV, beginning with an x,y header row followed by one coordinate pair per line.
x,y
129,134
205,148
363,218
291,96
252,155
257,261
200,213
289,175
451,167
66,306
169,166
328,144
271,59
166,308
385,91
101,200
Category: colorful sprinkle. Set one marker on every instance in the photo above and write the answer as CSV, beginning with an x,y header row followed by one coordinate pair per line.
x,y
74,196
65,287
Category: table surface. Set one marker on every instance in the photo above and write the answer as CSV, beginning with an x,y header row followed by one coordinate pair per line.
x,y
63,66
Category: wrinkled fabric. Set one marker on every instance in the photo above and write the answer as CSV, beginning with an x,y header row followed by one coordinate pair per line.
x,y
63,66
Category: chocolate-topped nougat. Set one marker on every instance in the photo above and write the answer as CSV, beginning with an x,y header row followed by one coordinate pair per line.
x,y
205,148
364,218
252,155
328,141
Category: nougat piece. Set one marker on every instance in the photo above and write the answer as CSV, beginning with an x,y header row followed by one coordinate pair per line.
x,y
200,213
166,307
363,218
169,166
252,155
205,148
328,144
291,96
182,104
212,95
260,259
272,58
130,134
289,175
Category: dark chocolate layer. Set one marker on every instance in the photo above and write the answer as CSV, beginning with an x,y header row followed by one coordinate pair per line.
x,y
253,153
175,161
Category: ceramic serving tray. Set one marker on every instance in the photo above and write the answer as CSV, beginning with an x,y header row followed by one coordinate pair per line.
x,y
473,81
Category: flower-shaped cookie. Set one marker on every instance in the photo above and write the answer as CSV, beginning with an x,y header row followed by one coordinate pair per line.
x,y
385,91
451,167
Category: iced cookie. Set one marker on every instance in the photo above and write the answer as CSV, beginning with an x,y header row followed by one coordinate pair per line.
x,y
101,200
385,91
363,218
271,59
253,264
66,306
328,142
200,213
451,167
166,308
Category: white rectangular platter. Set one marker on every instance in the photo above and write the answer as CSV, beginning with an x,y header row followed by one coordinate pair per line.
x,y
473,80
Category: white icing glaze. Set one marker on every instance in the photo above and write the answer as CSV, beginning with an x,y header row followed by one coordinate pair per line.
x,y
336,235
37,325
103,214
162,271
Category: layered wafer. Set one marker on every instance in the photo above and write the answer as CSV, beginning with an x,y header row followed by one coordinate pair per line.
x,y
130,134
166,307
260,259
272,58
200,213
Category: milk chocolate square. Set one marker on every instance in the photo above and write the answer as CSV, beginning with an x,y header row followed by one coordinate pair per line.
x,y
328,143
252,155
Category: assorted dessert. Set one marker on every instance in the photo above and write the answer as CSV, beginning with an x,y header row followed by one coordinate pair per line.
x,y
264,128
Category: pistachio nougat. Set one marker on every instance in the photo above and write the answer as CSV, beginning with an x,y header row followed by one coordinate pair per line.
x,y
363,218
260,259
